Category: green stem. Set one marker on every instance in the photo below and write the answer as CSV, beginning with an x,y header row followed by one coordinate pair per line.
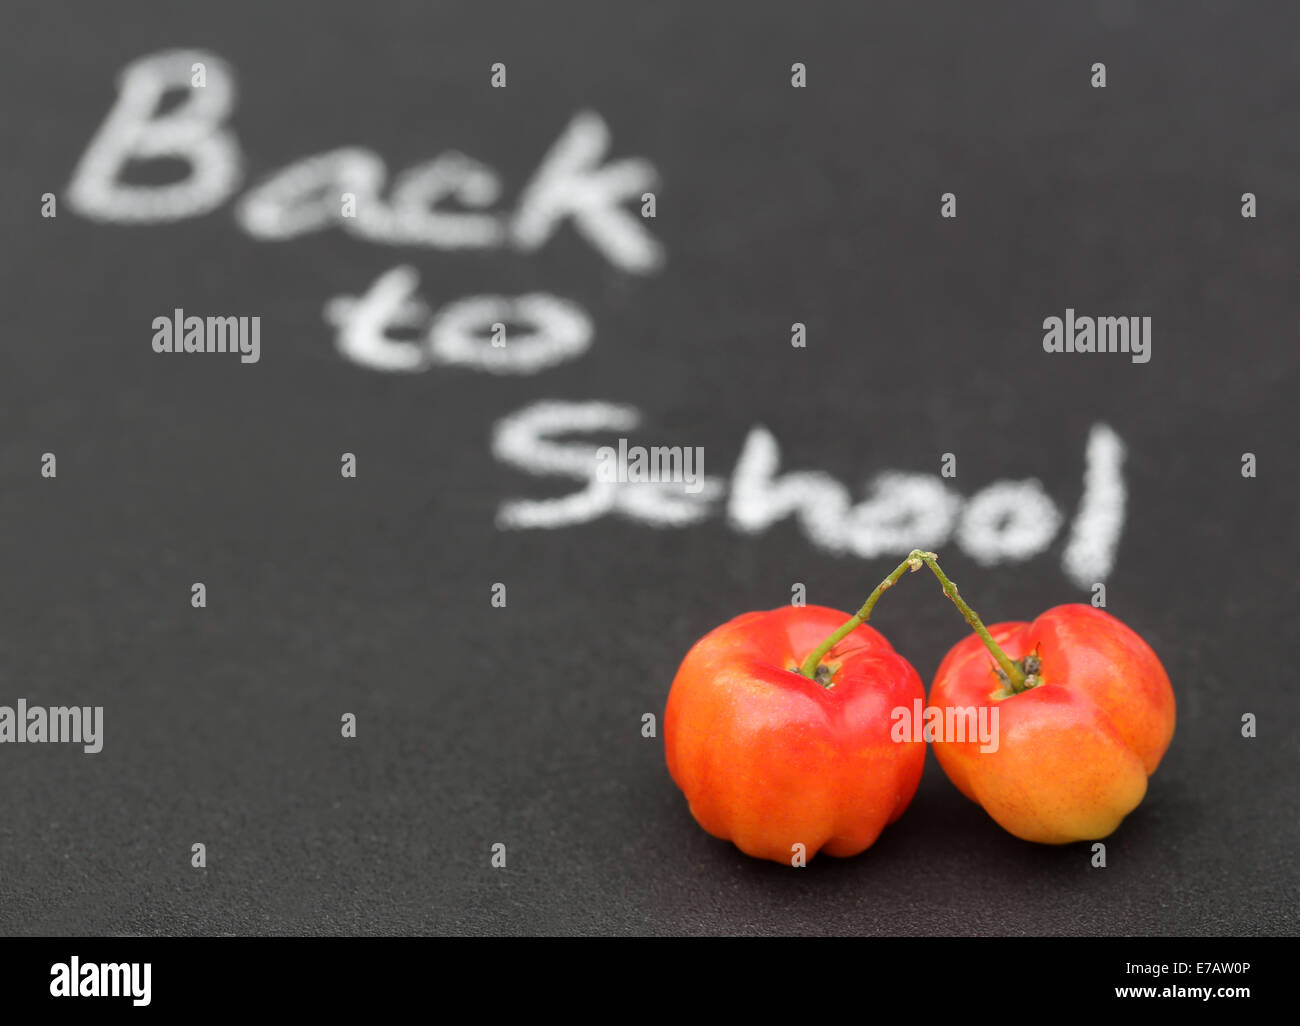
x,y
809,666
1015,675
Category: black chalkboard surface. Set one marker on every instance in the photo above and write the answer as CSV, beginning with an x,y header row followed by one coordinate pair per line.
x,y
799,302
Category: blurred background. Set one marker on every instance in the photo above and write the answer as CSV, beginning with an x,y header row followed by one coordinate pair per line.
x,y
522,725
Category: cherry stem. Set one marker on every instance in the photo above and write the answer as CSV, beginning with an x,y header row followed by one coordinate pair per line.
x,y
809,666
1015,676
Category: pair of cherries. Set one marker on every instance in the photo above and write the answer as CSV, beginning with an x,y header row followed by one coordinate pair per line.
x,y
782,726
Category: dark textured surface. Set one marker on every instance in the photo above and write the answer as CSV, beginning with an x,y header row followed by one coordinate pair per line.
x,y
522,725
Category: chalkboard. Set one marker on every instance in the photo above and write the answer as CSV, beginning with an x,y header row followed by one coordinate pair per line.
x,y
795,239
